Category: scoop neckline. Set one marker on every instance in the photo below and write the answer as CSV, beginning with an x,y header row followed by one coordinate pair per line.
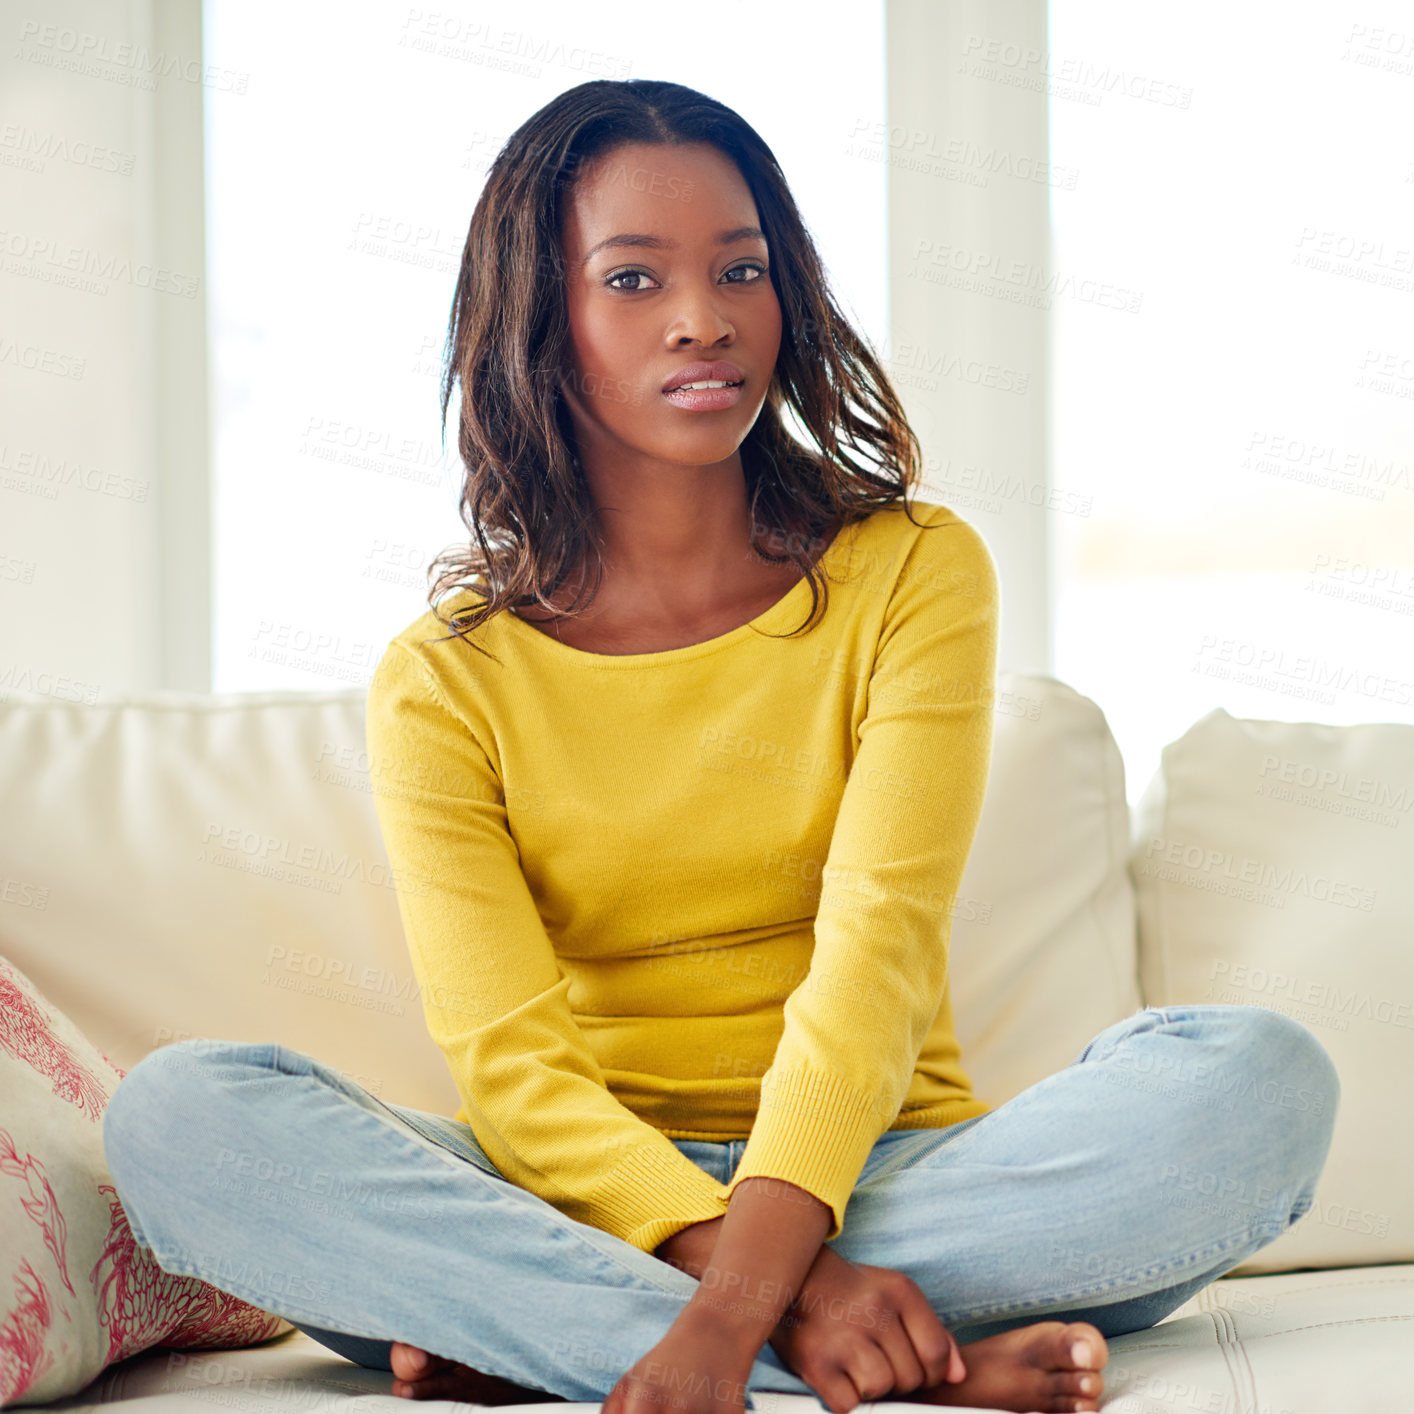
x,y
799,590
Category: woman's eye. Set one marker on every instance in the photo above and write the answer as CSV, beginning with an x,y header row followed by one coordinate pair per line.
x,y
612,280
624,275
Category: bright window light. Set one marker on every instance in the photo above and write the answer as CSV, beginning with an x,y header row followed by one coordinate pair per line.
x,y
1246,433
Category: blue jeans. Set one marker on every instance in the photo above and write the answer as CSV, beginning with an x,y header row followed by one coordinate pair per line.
x,y
1179,1142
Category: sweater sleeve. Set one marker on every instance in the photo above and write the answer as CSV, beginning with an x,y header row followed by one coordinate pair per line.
x,y
856,1023
493,993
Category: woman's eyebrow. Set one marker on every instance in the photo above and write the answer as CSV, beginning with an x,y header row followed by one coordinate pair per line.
x,y
738,233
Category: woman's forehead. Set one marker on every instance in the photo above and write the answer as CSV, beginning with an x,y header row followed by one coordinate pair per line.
x,y
677,194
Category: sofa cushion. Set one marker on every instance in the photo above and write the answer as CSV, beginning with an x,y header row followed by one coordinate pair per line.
x,y
76,1292
1319,1342
1313,1342
185,865
181,866
1272,865
1043,943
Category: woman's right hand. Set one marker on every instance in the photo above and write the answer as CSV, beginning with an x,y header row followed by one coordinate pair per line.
x,y
858,1333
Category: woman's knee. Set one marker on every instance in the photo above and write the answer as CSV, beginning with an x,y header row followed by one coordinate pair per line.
x,y
1283,1081
1284,1059
170,1087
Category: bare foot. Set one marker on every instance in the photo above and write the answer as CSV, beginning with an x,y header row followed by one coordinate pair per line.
x,y
439,1378
1051,1365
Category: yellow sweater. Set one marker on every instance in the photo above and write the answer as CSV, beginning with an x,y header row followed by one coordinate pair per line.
x,y
703,893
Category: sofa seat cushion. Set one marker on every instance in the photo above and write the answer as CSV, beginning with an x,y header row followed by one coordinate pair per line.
x,y
1316,1342
1321,1342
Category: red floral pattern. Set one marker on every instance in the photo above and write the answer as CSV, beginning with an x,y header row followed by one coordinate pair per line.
x,y
137,1303
23,1357
25,1032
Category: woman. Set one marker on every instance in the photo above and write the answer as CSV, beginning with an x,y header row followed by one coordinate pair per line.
x,y
676,871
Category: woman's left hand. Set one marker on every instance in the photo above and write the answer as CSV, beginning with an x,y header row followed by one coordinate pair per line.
x,y
699,1367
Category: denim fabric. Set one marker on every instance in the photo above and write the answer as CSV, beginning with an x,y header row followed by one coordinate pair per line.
x,y
1179,1142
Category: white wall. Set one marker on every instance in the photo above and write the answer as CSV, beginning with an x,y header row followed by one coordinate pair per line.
x,y
969,247
104,532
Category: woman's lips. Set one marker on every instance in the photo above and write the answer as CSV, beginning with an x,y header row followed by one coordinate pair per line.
x,y
705,399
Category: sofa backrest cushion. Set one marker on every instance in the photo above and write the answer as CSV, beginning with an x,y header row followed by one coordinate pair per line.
x,y
1274,867
1043,940
187,865
176,865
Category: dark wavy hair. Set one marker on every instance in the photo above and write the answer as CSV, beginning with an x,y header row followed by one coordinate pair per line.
x,y
524,497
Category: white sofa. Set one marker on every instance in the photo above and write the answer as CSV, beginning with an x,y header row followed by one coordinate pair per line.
x,y
176,866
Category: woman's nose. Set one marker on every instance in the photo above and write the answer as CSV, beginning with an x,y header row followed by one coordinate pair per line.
x,y
697,316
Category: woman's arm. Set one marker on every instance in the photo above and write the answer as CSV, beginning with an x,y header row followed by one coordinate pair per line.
x,y
854,1027
495,998
690,1248
764,1245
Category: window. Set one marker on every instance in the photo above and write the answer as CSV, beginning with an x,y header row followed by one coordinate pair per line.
x,y
1233,366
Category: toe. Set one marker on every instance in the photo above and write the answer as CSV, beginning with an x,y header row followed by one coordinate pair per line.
x,y
1082,1384
1082,1347
411,1363
404,1359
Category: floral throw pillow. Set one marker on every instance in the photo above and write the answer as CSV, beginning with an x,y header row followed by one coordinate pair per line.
x,y
76,1291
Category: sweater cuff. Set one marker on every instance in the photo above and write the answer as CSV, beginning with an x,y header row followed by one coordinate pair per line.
x,y
814,1130
651,1195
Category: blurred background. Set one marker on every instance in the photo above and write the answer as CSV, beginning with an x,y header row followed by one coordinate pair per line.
x,y
1145,284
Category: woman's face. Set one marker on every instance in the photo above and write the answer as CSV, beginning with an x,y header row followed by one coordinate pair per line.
x,y
653,288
